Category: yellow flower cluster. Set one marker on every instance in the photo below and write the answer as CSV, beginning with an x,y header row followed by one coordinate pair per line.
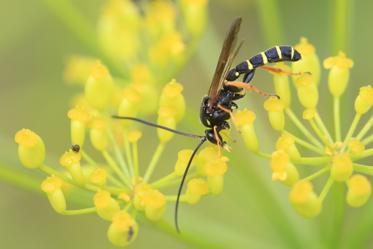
x,y
142,48
334,155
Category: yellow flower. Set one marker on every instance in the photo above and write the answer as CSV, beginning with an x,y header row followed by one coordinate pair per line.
x,y
196,188
304,200
98,176
123,229
79,117
31,148
52,187
244,120
275,108
359,190
341,168
106,206
364,100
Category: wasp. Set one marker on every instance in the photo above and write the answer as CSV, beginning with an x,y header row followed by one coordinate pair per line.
x,y
217,107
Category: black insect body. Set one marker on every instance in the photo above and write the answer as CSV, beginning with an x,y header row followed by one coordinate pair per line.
x,y
217,107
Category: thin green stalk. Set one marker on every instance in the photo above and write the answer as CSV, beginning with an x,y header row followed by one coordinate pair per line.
x,y
153,162
365,129
338,215
87,158
365,169
364,154
79,211
351,131
314,161
263,154
119,156
306,144
302,128
317,174
341,24
318,132
337,119
368,140
135,156
322,126
114,166
127,150
326,189
164,179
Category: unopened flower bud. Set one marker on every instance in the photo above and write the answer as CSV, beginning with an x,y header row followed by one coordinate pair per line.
x,y
275,108
98,134
98,177
282,169
155,204
196,188
245,123
183,158
341,168
71,161
364,100
286,142
31,148
304,199
359,190
123,229
106,206
79,117
308,94
52,187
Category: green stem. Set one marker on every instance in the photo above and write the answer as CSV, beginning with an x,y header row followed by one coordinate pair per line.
x,y
365,169
114,166
263,154
351,131
79,211
119,156
302,128
306,144
365,129
87,158
341,21
153,162
364,154
326,189
164,179
338,214
337,119
322,126
317,174
318,132
368,140
135,156
127,150
315,161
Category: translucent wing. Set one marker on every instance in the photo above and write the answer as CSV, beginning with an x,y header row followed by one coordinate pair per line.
x,y
224,59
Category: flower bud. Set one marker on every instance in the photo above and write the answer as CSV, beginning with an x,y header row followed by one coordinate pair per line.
x,y
341,168
140,191
194,13
282,169
99,88
98,134
304,199
160,18
309,114
52,187
166,118
169,47
359,190
310,61
173,100
282,86
123,229
308,94
275,108
71,161
31,148
196,188
106,206
208,154
155,204
79,117
245,123
364,100
286,143
339,73
98,177
78,69
183,158
356,147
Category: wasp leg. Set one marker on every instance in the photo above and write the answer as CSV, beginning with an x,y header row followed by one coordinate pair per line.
x,y
231,115
219,143
251,87
281,71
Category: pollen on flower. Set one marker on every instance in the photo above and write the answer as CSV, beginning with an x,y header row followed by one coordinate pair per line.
x,y
51,184
98,176
304,47
79,113
27,138
340,61
70,158
244,117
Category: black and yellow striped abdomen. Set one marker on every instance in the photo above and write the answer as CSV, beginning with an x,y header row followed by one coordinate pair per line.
x,y
275,54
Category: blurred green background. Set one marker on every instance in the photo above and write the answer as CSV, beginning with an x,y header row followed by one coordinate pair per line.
x,y
34,44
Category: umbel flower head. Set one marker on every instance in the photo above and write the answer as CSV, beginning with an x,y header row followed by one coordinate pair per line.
x,y
327,152
144,39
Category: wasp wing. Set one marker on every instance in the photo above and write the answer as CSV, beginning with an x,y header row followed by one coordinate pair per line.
x,y
223,61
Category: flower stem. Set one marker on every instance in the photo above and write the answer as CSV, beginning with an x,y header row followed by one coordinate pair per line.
x,y
114,166
315,161
305,144
337,119
368,140
326,189
119,155
351,131
127,150
263,154
364,154
317,174
89,159
153,162
319,132
79,211
341,28
302,128
365,129
361,168
135,156
322,126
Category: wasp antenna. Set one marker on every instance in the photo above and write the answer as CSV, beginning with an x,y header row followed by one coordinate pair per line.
x,y
158,126
182,183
